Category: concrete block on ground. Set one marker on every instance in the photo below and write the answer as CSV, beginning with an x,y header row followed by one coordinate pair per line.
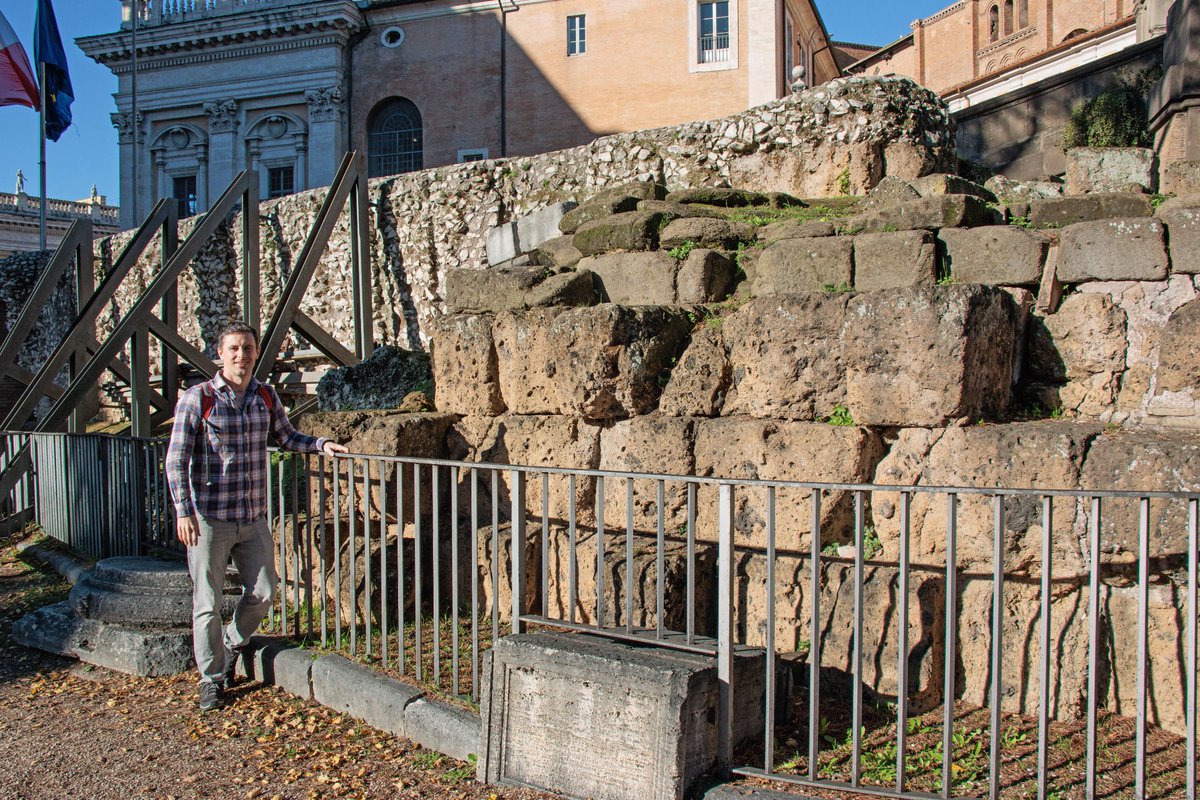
x,y
363,693
562,711
1056,212
1113,250
1110,169
1182,218
440,726
999,255
502,244
791,266
278,662
892,260
541,226
137,651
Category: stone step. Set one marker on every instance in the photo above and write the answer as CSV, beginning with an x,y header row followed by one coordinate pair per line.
x,y
142,592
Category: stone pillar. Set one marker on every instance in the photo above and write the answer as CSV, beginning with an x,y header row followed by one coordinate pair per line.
x,y
127,133
326,135
1174,108
300,145
223,158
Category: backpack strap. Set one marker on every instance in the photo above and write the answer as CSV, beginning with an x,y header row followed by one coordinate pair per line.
x,y
265,394
207,400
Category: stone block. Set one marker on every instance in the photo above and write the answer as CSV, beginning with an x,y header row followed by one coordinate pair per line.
x,y
1144,460
502,244
718,196
930,213
928,355
721,234
889,192
1111,169
1009,191
790,266
498,594
1058,212
1182,218
644,278
785,356
632,230
679,210
561,710
443,728
943,183
541,226
999,255
1180,178
893,260
705,276
381,381
774,450
599,363
1130,249
1178,368
577,288
474,291
1017,455
795,229
559,252
1082,345
146,592
278,662
463,360
148,652
700,379
656,444
363,693
612,200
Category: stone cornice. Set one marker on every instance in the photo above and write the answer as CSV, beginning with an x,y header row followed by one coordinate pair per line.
x,y
221,54
1024,33
337,20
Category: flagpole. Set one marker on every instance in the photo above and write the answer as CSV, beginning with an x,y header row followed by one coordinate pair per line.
x,y
42,162
136,7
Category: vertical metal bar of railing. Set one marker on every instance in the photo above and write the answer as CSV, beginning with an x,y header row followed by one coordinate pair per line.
x,y
495,562
572,563
545,544
295,538
600,554
769,666
322,549
1093,698
951,645
474,561
856,689
691,563
902,645
400,567
455,478
435,578
997,644
418,655
660,542
352,551
367,576
1139,791
725,625
517,570
1190,710
282,591
1043,752
307,549
270,620
337,550
628,556
814,638
383,564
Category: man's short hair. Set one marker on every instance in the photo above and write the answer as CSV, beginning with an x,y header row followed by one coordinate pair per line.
x,y
236,327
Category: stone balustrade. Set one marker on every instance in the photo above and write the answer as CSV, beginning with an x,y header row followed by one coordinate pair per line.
x,y
157,12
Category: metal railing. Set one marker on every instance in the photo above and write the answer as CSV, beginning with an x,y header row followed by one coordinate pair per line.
x,y
915,641
713,48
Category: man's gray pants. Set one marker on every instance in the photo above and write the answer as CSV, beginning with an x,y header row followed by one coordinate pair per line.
x,y
249,543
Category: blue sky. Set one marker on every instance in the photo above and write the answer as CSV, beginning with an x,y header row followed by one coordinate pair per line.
x,y
87,151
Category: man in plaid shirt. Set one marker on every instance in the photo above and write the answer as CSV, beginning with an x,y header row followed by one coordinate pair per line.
x,y
217,471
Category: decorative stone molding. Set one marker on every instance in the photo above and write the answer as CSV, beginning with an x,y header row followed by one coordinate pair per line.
x,y
1024,33
222,116
123,122
324,105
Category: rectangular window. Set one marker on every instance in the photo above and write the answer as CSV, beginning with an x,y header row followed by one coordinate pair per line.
x,y
183,189
714,32
475,154
576,35
281,181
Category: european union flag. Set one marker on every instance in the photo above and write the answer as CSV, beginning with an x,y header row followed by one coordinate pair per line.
x,y
57,94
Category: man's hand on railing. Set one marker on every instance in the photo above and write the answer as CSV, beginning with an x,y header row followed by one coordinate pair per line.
x,y
332,448
187,531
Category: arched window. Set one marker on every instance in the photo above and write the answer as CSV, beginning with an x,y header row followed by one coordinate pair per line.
x,y
394,141
1008,17
994,23
1023,13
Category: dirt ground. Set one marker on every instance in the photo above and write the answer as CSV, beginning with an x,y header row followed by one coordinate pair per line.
x,y
70,730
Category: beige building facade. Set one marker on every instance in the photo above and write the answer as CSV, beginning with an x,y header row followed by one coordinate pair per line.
x,y
286,86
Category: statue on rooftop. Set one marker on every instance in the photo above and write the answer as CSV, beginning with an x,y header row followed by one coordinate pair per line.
x,y
20,182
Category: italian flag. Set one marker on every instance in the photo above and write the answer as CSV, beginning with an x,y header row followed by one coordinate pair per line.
x,y
18,87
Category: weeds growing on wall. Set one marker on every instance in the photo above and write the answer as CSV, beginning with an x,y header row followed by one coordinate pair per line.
x,y
1114,118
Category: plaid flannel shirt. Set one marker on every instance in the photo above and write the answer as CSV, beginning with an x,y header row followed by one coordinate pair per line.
x,y
217,468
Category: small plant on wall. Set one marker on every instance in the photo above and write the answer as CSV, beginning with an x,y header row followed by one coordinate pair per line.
x,y
1114,118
